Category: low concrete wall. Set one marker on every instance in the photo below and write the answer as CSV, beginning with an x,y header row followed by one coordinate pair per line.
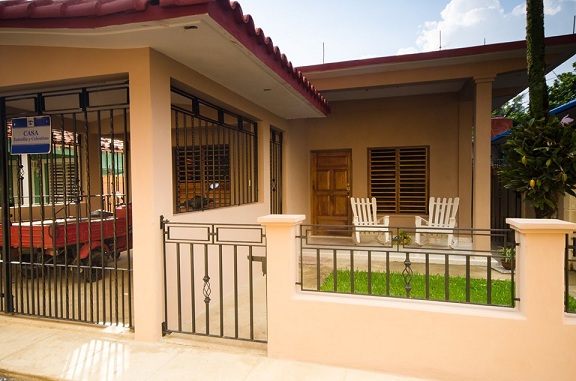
x,y
432,340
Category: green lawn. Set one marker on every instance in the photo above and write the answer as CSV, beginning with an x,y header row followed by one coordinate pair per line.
x,y
501,289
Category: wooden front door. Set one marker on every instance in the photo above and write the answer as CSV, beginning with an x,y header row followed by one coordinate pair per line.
x,y
331,181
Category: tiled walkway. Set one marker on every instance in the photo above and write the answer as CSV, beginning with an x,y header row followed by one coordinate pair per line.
x,y
59,351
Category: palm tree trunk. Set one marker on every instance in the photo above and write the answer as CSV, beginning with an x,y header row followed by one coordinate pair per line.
x,y
535,50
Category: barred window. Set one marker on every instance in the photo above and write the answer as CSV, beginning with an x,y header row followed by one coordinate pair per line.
x,y
47,178
215,155
398,178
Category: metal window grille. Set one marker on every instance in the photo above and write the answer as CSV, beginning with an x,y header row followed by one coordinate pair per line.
x,y
54,175
214,157
399,179
275,171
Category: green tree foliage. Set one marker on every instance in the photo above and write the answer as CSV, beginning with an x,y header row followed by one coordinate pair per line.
x,y
541,152
563,90
513,109
541,163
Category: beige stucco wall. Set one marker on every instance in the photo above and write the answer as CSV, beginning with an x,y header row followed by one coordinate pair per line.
x,y
430,340
429,120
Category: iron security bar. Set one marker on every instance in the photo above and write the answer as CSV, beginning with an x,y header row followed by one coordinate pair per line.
x,y
464,273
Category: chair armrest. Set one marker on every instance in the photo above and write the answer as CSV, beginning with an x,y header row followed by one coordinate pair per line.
x,y
384,220
419,221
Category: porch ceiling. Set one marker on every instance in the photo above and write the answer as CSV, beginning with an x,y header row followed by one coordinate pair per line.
x,y
217,41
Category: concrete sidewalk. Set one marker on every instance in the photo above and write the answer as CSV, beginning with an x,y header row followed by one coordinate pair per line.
x,y
67,351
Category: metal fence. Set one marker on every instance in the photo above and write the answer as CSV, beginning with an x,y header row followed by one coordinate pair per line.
x,y
62,291
570,275
215,280
66,221
471,271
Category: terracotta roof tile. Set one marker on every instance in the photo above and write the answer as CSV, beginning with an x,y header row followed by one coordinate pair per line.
x,y
21,9
78,14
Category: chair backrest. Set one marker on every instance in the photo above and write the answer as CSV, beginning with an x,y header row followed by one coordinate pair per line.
x,y
442,210
364,210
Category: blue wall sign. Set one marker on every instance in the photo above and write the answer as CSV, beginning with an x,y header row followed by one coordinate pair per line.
x,y
31,135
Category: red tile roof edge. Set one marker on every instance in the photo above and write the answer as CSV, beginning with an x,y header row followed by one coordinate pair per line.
x,y
257,42
85,14
440,54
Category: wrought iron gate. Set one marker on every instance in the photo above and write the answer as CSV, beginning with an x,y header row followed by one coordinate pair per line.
x,y
66,229
215,280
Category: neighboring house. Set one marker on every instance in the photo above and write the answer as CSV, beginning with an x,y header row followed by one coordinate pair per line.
x,y
216,124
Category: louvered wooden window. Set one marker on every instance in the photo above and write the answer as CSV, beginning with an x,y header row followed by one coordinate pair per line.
x,y
52,178
63,181
398,178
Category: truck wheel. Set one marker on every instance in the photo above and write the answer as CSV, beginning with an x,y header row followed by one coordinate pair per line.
x,y
95,263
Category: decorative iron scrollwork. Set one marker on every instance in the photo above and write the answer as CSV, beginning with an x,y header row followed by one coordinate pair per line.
x,y
407,274
206,289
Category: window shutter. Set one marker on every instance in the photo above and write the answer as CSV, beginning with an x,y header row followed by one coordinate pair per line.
x,y
398,178
412,180
63,180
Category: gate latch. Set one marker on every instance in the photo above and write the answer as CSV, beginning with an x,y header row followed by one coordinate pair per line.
x,y
260,259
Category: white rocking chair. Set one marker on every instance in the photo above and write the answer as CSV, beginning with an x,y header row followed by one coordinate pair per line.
x,y
366,221
441,220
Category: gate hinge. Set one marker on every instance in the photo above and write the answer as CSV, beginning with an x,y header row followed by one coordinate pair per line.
x,y
164,328
163,222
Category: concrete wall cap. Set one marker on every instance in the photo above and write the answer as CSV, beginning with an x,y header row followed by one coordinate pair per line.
x,y
281,219
540,225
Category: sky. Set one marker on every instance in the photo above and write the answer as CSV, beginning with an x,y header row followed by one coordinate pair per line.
x,y
312,32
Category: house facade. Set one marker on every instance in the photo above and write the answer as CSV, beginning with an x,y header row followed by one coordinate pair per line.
x,y
199,97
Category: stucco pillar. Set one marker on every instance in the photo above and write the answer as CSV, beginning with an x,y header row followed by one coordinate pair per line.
x,y
540,255
151,176
481,205
281,230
